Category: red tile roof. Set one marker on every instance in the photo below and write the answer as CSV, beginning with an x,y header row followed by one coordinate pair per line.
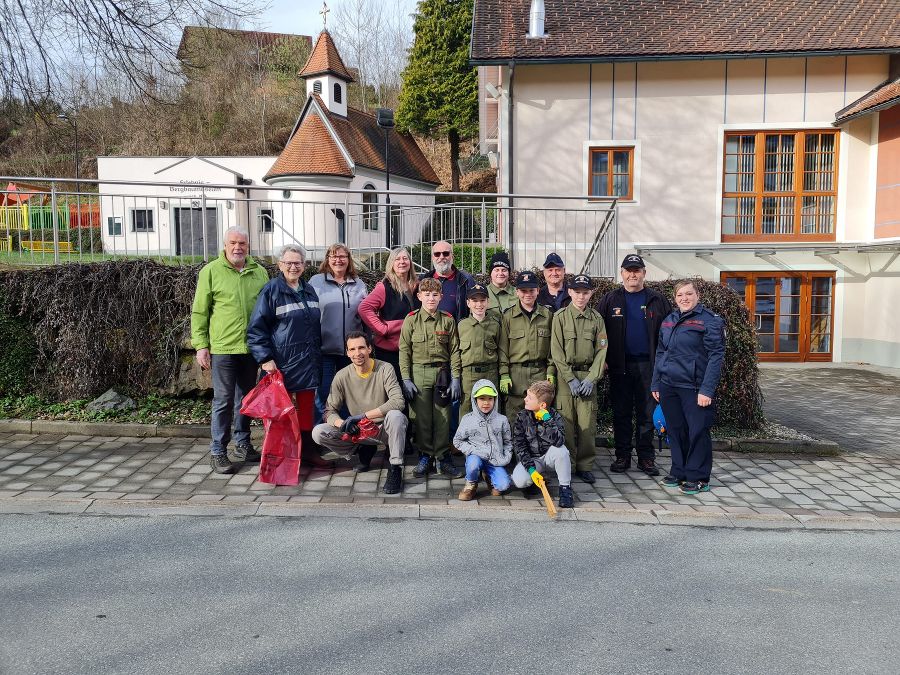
x,y
313,151
885,95
310,151
629,29
325,59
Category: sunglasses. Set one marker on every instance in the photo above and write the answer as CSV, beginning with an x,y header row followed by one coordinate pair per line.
x,y
442,254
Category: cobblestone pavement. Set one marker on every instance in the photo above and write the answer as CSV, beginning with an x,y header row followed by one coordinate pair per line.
x,y
854,406
57,467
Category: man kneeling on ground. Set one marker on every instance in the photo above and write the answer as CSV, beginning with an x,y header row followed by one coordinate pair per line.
x,y
374,399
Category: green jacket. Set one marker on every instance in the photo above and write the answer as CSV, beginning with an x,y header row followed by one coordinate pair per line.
x,y
223,303
578,343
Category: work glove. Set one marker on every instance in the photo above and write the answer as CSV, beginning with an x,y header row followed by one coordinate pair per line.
x,y
586,389
455,389
351,424
542,415
505,382
410,390
552,379
575,386
536,477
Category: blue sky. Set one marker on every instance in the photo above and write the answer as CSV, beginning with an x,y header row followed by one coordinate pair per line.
x,y
295,16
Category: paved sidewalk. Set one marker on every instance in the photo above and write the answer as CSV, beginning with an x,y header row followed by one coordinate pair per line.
x,y
853,405
166,470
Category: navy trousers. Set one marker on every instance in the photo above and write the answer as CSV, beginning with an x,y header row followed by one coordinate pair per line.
x,y
688,425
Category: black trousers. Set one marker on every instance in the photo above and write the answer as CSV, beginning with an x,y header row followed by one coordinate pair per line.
x,y
688,428
633,407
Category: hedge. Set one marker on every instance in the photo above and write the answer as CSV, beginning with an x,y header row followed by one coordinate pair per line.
x,y
123,323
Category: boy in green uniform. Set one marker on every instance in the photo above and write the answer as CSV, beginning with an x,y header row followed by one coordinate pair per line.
x,y
578,350
428,342
479,340
524,345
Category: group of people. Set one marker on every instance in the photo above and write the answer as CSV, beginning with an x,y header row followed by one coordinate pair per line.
x,y
521,362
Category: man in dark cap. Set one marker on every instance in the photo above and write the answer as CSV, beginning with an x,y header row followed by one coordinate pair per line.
x,y
501,295
524,345
633,315
555,294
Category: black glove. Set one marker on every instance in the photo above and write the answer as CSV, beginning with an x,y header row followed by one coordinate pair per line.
x,y
409,390
351,424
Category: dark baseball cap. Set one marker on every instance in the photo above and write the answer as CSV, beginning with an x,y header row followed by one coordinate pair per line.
x,y
553,260
581,282
500,259
633,260
476,290
526,280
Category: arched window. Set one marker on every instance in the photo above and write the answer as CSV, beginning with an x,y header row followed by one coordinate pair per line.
x,y
317,87
337,92
369,208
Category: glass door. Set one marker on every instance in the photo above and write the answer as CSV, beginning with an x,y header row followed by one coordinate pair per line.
x,y
791,312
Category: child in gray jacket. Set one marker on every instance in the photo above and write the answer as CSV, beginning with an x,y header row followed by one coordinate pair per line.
x,y
485,438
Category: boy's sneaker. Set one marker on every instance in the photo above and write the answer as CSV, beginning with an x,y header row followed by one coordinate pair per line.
x,y
365,453
495,492
670,481
621,465
245,453
468,492
690,487
531,491
566,498
221,463
448,468
423,466
394,482
648,466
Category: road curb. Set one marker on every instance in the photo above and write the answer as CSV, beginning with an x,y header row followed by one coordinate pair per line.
x,y
402,512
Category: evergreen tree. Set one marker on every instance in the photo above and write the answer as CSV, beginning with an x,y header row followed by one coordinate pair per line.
x,y
440,89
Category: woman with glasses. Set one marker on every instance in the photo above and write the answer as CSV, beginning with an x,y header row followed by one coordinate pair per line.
x,y
284,332
340,291
388,304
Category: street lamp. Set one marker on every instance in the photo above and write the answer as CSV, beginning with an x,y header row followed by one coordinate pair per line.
x,y
385,119
71,120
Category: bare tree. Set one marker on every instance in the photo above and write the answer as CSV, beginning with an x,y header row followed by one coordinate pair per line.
x,y
133,39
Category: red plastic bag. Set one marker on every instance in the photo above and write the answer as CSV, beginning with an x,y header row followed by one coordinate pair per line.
x,y
271,402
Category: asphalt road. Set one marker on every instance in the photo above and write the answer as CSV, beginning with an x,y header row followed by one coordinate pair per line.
x,y
82,594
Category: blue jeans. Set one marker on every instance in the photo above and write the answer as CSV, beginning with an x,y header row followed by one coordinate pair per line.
x,y
498,475
233,376
331,363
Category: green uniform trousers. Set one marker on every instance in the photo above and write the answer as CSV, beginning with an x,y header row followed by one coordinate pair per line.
x,y
580,417
431,422
471,375
522,377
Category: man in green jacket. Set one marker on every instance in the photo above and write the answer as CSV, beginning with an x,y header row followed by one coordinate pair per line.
x,y
226,294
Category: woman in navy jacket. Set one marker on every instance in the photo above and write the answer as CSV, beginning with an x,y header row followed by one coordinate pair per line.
x,y
285,334
689,357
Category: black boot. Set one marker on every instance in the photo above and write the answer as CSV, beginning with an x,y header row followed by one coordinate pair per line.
x,y
365,454
394,482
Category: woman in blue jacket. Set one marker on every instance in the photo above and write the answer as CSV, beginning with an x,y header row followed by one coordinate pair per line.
x,y
689,357
284,331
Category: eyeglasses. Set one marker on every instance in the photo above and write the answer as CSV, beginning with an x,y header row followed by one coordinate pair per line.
x,y
442,254
291,264
339,257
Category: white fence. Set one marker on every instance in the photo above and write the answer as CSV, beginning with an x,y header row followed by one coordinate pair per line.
x,y
186,223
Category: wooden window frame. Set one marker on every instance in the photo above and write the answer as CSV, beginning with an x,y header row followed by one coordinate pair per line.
x,y
611,174
805,335
797,192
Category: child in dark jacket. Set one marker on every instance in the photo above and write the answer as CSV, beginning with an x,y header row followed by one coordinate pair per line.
x,y
539,443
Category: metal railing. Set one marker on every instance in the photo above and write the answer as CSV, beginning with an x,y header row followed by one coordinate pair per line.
x,y
186,222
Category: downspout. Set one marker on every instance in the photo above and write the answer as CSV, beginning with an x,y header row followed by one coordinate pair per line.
x,y
509,121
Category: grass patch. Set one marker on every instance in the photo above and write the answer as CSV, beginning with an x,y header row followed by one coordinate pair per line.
x,y
152,409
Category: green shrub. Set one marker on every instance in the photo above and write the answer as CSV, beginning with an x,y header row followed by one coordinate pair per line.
x,y
17,362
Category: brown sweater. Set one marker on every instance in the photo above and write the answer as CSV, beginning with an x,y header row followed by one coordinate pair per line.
x,y
361,394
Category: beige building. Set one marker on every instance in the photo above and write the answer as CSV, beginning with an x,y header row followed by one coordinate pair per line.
x,y
759,150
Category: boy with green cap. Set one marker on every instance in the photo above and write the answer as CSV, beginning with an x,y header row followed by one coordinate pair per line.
x,y
485,438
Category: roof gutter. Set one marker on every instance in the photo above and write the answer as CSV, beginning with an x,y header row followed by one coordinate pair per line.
x,y
499,61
